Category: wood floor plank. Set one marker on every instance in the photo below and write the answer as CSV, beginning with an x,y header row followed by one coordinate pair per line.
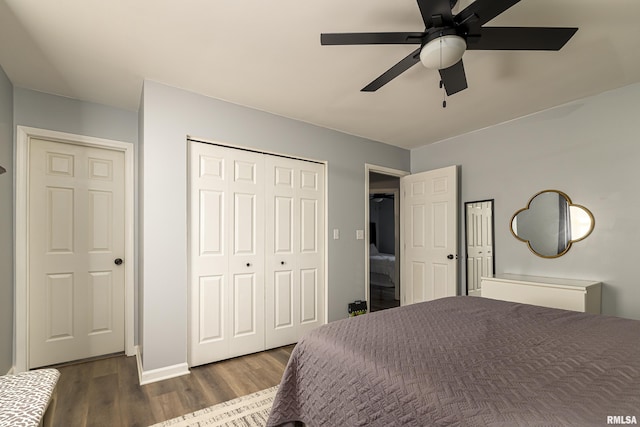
x,y
214,385
71,395
134,402
168,405
103,409
107,392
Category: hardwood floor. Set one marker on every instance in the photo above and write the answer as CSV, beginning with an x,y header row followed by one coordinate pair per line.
x,y
382,298
106,392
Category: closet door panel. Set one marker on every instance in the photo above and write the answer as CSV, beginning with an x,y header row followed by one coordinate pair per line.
x,y
282,284
283,299
311,261
295,239
209,183
283,222
309,305
246,265
211,307
226,253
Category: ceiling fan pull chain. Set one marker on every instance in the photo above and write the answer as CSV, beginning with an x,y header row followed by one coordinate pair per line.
x,y
444,93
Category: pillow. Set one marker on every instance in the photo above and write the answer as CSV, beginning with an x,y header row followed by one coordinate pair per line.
x,y
373,250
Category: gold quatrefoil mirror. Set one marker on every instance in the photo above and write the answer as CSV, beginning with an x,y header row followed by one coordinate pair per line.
x,y
551,223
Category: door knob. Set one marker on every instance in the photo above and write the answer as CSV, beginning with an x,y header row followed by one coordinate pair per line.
x,y
281,262
450,256
117,261
248,264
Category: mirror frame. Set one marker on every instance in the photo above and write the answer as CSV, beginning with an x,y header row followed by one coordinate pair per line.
x,y
570,242
466,238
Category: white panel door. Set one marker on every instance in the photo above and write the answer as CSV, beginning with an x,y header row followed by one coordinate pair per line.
x,y
429,206
479,244
76,232
294,249
226,253
246,263
208,254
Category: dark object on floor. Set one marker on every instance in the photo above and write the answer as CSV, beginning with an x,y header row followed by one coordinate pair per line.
x,y
357,308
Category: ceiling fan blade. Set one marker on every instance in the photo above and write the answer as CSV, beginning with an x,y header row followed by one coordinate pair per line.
x,y
370,38
483,11
520,38
454,78
393,72
431,8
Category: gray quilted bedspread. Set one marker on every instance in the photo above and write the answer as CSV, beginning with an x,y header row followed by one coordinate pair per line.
x,y
464,361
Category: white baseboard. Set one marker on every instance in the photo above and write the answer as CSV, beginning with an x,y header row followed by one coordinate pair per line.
x,y
154,375
11,371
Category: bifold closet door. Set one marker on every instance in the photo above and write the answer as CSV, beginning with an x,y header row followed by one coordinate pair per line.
x,y
294,249
226,252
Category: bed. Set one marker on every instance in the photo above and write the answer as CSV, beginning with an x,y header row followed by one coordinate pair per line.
x,y
464,361
382,271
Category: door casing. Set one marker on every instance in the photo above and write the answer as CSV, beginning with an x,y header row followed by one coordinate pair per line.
x,y
21,254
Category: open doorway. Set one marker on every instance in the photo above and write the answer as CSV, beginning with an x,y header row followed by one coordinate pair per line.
x,y
384,240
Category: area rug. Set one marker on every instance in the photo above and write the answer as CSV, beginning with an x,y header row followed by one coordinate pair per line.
x,y
250,410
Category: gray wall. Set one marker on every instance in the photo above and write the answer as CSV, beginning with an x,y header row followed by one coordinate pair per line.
x,y
51,112
6,224
170,115
589,149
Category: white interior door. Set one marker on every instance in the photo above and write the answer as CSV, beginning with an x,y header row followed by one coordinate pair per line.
x,y
226,253
429,209
479,244
294,249
76,232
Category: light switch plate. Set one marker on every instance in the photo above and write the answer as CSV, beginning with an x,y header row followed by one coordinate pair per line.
x,y
359,234
336,234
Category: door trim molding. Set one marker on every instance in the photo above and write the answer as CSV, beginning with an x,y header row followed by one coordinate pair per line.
x,y
386,171
21,328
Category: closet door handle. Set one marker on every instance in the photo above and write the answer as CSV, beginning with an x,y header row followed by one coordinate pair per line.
x,y
281,262
248,264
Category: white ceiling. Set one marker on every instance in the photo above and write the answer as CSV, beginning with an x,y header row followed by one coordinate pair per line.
x,y
267,55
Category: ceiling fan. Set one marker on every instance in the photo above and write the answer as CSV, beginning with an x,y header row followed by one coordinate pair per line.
x,y
447,36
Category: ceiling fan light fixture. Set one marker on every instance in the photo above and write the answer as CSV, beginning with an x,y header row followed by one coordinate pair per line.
x,y
443,52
